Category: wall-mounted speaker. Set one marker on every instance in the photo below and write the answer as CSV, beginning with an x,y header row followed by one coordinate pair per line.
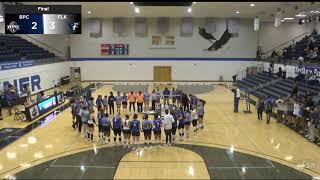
x,y
256,24
278,18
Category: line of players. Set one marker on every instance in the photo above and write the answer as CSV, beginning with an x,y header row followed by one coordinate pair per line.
x,y
188,111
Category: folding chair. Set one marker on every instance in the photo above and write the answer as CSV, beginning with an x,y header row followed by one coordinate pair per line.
x,y
18,115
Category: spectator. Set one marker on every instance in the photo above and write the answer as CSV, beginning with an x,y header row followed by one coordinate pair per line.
x,y
279,74
300,60
260,108
284,72
268,108
294,88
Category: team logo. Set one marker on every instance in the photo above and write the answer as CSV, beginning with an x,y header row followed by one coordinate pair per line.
x,y
13,27
74,26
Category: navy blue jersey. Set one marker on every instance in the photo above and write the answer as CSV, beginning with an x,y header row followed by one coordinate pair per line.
x,y
135,126
174,124
99,118
116,122
157,125
146,125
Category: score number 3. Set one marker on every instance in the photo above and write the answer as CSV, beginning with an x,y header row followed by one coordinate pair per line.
x,y
52,25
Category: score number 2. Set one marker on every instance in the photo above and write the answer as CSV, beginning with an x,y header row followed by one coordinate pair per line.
x,y
34,25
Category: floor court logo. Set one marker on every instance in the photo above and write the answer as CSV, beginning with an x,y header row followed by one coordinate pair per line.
x,y
13,27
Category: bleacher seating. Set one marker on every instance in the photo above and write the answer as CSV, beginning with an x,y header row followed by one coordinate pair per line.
x,y
279,88
17,48
294,52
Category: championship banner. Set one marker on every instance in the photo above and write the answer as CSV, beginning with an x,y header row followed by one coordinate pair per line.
x,y
114,49
307,70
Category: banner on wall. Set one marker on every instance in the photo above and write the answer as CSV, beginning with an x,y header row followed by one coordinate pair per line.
x,y
307,70
114,49
17,64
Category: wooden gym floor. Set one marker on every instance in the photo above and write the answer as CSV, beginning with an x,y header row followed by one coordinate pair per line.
x,y
237,143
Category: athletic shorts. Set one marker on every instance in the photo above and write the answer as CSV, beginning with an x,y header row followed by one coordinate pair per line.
x,y
135,133
147,134
187,123
174,130
106,130
117,132
181,125
126,131
200,116
100,128
194,122
124,103
157,132
90,125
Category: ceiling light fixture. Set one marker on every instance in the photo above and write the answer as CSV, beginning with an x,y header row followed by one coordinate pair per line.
x,y
137,10
131,2
194,2
252,5
237,12
288,18
89,12
189,10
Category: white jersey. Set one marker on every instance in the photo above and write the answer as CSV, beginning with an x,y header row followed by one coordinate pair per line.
x,y
194,114
126,124
296,109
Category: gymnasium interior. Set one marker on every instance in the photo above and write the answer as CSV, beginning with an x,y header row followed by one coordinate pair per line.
x,y
237,59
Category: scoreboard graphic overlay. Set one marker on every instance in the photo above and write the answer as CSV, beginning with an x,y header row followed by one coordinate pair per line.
x,y
43,19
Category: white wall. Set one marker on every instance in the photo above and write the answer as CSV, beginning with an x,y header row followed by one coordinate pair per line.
x,y
48,73
270,36
143,70
242,47
83,48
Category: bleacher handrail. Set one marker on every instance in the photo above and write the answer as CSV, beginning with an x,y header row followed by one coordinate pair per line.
x,y
293,39
50,47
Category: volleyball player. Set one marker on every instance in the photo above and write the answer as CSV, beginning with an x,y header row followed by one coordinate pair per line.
x,y
135,129
124,100
158,97
100,115
146,98
99,102
118,99
106,125
178,97
194,115
91,123
187,122
153,100
147,128
166,96
140,100
132,101
168,123
157,124
126,131
181,124
116,127
200,114
111,100
174,96
84,119
105,104
90,104
174,125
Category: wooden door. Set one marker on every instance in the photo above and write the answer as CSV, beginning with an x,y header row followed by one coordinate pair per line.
x,y
162,73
